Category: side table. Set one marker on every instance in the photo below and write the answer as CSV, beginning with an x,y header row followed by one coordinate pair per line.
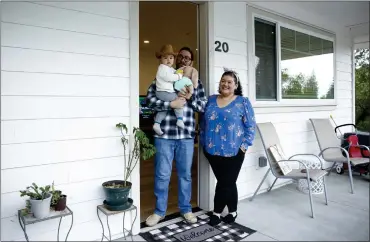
x,y
108,213
317,187
29,219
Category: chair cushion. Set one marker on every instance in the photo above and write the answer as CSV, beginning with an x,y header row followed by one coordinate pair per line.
x,y
359,161
278,154
342,159
315,174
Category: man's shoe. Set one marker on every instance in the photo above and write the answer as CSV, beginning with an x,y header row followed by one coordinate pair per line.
x,y
190,218
153,219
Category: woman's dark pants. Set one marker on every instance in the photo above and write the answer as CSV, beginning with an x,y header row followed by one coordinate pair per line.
x,y
226,170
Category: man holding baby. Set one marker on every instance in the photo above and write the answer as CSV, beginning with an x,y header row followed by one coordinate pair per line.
x,y
175,131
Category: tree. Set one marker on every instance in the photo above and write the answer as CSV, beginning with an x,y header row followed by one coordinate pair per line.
x,y
299,86
362,89
330,93
311,87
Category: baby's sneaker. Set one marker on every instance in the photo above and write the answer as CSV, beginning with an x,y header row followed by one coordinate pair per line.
x,y
180,124
157,128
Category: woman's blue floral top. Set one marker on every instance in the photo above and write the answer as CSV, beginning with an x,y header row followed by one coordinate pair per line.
x,y
225,130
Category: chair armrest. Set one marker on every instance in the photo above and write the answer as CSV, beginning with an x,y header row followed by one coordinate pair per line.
x,y
322,164
360,146
305,166
336,147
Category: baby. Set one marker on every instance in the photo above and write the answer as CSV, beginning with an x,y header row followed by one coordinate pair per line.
x,y
167,81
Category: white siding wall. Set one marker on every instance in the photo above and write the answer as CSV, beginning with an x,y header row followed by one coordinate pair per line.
x,y
292,123
64,86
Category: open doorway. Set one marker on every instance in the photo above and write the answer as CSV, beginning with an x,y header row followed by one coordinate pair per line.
x,y
160,23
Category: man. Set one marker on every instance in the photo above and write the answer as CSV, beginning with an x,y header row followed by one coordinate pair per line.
x,y
175,143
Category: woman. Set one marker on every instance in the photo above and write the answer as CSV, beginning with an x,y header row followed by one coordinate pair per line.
x,y
228,129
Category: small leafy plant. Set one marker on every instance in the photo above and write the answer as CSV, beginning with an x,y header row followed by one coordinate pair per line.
x,y
56,195
27,209
141,149
35,192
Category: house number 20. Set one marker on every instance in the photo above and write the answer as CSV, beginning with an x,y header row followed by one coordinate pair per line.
x,y
224,46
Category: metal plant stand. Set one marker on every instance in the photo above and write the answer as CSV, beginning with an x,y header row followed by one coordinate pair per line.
x,y
29,219
108,213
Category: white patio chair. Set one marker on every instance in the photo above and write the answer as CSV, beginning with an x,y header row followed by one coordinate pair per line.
x,y
330,147
269,139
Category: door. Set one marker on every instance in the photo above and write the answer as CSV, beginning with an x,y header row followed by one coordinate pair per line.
x,y
158,25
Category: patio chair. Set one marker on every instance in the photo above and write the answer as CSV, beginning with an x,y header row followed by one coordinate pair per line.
x,y
270,139
330,147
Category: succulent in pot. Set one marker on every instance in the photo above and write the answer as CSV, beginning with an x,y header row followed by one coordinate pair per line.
x,y
58,200
39,200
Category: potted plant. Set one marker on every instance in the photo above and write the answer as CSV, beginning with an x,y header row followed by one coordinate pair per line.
x,y
117,191
39,201
58,200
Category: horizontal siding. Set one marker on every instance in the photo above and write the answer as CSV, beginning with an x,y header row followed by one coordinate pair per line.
x,y
65,83
231,32
24,60
292,123
63,173
83,198
230,27
109,9
230,61
64,19
43,84
44,130
12,35
42,153
36,107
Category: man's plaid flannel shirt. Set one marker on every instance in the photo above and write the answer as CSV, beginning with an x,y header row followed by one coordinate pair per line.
x,y
170,130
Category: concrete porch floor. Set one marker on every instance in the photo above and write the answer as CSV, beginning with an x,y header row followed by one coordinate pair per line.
x,y
284,213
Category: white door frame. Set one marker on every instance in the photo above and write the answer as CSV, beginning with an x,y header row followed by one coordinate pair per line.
x,y
206,180
134,104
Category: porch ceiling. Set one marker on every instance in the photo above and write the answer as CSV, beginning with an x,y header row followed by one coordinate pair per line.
x,y
331,15
347,14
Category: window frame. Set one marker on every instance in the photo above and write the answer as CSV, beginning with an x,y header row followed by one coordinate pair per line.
x,y
282,21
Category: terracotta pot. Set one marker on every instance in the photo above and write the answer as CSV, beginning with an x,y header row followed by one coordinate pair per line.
x,y
62,203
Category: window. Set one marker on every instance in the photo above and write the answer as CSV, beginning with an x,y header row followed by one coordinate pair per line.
x,y
292,64
265,50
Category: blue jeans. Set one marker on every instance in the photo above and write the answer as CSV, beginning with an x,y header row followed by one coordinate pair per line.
x,y
168,149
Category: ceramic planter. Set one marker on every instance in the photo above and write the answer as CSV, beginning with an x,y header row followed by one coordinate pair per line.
x,y
41,208
116,196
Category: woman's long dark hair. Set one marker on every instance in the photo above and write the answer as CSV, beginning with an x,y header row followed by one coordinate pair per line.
x,y
234,75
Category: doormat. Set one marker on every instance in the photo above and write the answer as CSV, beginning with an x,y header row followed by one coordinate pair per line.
x,y
200,231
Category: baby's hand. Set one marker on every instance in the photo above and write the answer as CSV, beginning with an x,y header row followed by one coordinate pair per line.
x,y
180,71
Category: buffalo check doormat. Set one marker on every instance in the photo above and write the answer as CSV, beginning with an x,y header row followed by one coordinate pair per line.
x,y
200,231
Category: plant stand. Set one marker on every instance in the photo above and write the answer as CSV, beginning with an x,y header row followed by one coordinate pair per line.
x,y
29,219
108,213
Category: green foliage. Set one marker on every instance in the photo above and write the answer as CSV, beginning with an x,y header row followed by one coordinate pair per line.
x,y
27,209
56,195
35,192
141,148
302,87
362,89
